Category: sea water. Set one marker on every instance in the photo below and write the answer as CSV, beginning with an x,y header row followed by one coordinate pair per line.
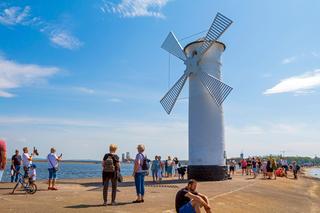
x,y
71,170
314,172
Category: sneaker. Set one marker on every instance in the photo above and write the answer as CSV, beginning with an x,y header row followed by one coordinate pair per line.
x,y
104,204
113,203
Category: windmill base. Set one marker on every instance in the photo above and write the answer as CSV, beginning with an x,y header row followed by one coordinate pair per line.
x,y
207,173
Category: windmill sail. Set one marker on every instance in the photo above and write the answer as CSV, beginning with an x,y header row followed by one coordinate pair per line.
x,y
172,95
217,89
219,25
172,45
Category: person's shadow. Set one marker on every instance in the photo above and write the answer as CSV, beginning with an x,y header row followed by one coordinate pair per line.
x,y
83,206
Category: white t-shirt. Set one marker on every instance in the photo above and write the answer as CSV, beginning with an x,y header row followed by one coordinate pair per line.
x,y
33,174
25,160
52,161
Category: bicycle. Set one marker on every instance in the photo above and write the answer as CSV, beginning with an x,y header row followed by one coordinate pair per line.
x,y
28,187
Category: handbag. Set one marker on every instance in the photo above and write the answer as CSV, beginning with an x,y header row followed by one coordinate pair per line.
x,y
120,178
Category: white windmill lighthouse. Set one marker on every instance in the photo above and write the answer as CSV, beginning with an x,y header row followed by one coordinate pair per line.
x,y
206,95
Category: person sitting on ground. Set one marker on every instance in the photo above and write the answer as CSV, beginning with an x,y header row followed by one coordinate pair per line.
x,y
188,200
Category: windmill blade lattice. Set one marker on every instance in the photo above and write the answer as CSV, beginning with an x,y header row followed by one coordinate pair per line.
x,y
219,26
172,45
217,89
172,95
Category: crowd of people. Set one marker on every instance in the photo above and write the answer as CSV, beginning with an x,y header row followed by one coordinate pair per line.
x,y
167,168
187,199
268,167
23,163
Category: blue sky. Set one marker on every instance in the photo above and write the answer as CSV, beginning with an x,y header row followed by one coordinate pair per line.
x,y
79,75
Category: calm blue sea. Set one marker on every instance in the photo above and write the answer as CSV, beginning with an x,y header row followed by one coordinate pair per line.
x,y
72,171
315,172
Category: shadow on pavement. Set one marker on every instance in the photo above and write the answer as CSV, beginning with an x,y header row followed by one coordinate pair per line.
x,y
98,184
83,206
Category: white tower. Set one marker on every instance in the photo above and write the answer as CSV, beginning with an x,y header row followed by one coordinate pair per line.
x,y
206,95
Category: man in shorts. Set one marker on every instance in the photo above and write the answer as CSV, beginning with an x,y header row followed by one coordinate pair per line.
x,y
3,157
26,161
188,200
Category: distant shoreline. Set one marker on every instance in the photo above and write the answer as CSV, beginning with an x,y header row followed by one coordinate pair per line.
x,y
70,161
307,173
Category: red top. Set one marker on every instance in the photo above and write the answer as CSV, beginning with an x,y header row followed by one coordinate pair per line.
x,y
3,148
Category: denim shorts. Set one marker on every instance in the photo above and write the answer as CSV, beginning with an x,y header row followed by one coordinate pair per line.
x,y
52,173
187,208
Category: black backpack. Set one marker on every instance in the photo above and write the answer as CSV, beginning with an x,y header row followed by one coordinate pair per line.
x,y
145,164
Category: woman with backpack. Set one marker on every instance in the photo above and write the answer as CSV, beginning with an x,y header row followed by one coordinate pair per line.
x,y
140,170
111,170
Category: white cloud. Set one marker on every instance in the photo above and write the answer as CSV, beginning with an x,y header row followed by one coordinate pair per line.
x,y
288,60
67,133
135,8
57,34
300,83
48,121
6,94
14,75
64,39
296,138
84,90
15,15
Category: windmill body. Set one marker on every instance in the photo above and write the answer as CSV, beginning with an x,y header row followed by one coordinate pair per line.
x,y
206,94
206,129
